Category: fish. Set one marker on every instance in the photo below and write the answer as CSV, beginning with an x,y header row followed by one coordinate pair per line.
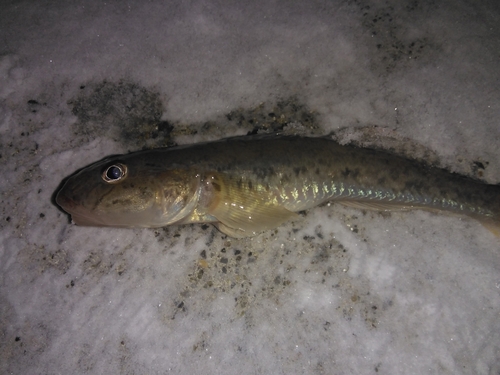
x,y
247,185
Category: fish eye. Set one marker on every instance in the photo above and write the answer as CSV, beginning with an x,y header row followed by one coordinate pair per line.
x,y
114,173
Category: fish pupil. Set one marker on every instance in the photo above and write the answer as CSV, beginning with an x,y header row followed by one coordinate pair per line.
x,y
114,172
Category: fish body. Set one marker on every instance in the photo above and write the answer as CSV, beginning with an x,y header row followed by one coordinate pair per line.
x,y
246,185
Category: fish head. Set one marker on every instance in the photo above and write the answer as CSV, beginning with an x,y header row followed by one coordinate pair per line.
x,y
129,192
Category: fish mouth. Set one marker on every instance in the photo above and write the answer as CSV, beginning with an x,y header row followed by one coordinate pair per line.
x,y
79,215
66,203
82,216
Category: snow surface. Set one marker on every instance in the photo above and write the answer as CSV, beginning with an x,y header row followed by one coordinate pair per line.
x,y
340,291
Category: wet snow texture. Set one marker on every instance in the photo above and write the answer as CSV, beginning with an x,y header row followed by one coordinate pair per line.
x,y
339,291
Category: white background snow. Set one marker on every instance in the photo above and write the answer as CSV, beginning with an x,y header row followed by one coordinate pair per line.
x,y
340,291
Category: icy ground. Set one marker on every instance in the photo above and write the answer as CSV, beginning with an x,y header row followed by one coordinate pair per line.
x,y
340,291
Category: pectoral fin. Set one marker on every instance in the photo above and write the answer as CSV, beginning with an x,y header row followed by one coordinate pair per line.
x,y
244,209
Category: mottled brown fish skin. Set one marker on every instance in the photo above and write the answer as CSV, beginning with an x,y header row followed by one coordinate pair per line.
x,y
249,184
